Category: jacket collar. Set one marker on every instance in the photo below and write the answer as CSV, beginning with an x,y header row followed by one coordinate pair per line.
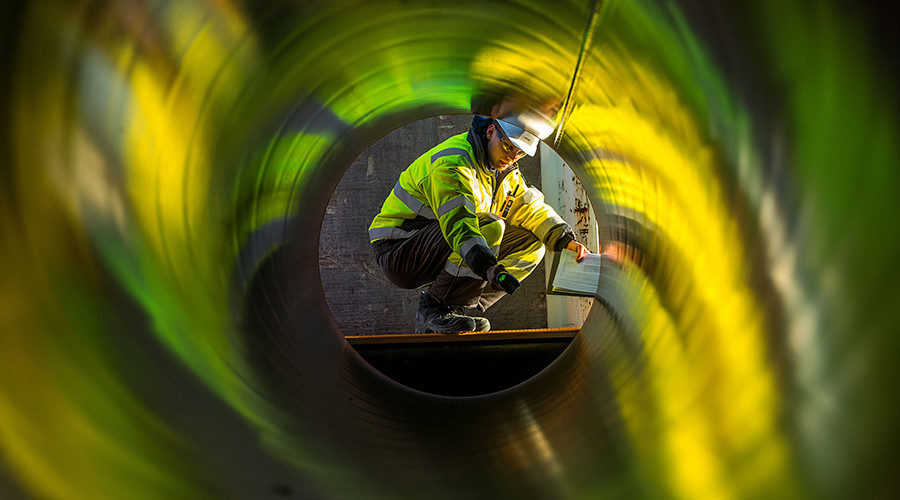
x,y
481,155
478,149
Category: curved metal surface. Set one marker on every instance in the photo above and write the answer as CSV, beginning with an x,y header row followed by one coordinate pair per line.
x,y
167,165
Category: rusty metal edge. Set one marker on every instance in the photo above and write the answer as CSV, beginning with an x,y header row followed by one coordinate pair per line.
x,y
417,338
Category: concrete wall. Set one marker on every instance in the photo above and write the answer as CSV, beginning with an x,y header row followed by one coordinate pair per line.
x,y
361,300
565,193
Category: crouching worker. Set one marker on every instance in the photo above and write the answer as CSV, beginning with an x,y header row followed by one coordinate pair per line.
x,y
462,218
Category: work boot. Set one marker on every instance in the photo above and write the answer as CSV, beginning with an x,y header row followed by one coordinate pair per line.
x,y
481,324
435,317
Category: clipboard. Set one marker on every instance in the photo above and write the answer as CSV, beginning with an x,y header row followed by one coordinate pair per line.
x,y
554,264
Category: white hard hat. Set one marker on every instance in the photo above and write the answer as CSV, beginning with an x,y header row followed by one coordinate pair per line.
x,y
525,131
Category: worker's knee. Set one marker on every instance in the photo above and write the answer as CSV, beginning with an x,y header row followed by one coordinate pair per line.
x,y
524,261
521,252
492,228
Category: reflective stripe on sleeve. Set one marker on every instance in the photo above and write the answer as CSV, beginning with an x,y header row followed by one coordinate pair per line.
x,y
412,202
451,152
471,242
547,225
454,203
530,195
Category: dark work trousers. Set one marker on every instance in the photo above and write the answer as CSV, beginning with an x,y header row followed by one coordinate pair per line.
x,y
421,258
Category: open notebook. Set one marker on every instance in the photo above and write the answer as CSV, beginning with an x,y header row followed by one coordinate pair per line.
x,y
568,277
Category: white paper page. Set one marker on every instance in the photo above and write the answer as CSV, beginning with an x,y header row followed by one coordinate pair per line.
x,y
581,277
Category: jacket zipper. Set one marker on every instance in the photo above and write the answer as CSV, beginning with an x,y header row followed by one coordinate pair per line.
x,y
495,187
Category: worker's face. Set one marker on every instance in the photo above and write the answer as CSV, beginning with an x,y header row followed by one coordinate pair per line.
x,y
501,152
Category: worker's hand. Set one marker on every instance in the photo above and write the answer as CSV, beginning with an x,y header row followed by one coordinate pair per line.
x,y
493,276
580,250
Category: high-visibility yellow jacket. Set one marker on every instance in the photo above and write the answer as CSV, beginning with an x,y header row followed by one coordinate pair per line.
x,y
453,183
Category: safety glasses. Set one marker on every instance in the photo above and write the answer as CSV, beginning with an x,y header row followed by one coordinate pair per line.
x,y
506,144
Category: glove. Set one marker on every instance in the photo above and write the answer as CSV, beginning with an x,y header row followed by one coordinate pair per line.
x,y
500,279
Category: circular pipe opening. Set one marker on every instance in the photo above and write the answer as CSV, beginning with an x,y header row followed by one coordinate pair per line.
x,y
529,329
